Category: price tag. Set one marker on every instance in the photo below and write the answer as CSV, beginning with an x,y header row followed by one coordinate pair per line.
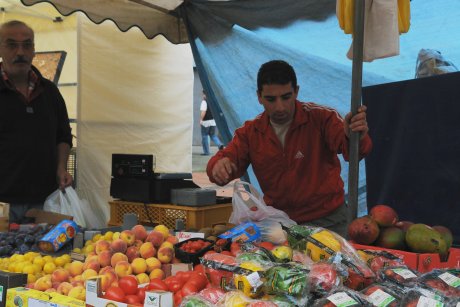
x,y
380,298
424,301
254,280
404,273
341,299
183,235
450,279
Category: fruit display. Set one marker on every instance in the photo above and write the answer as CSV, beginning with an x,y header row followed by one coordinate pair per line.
x,y
382,228
312,267
22,241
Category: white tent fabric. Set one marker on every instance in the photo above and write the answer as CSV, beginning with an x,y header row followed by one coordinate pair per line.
x,y
135,97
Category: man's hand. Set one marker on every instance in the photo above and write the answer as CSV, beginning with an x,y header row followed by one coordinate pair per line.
x,y
357,123
64,179
223,170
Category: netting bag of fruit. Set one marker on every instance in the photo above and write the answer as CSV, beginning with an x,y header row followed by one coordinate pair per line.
x,y
383,295
342,296
399,275
446,281
423,297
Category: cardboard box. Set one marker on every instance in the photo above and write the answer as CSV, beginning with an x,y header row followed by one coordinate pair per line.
x,y
4,216
152,299
170,269
10,280
24,297
421,262
52,218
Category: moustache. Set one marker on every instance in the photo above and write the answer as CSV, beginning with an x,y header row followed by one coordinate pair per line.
x,y
20,59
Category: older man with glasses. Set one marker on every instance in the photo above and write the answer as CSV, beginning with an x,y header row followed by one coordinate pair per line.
x,y
35,135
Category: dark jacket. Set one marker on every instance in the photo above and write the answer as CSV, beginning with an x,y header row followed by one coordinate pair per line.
x,y
28,142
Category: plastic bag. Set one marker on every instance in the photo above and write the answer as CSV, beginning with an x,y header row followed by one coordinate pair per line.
x,y
67,203
430,63
248,205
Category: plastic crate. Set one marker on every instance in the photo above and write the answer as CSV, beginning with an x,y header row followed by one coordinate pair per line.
x,y
166,214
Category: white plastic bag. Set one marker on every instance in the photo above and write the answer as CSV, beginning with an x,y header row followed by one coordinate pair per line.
x,y
67,203
248,205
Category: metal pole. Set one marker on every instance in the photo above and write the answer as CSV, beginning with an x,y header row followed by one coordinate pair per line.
x,y
356,84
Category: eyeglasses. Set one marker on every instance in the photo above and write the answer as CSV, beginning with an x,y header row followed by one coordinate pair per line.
x,y
14,45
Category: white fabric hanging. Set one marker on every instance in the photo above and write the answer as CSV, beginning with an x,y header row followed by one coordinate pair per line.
x,y
381,33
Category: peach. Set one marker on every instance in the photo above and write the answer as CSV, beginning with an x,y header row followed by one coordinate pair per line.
x,y
78,292
167,244
147,250
104,258
88,273
92,264
91,257
64,288
165,254
172,239
152,263
163,229
155,237
128,236
117,257
157,273
60,275
118,245
109,272
139,232
132,252
138,265
43,283
142,278
77,283
123,268
101,246
116,235
105,282
77,278
138,243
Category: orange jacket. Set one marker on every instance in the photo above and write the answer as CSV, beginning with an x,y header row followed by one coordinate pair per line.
x,y
303,179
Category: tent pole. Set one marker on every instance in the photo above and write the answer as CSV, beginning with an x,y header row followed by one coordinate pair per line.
x,y
356,84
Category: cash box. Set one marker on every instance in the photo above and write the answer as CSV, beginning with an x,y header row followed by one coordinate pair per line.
x,y
193,197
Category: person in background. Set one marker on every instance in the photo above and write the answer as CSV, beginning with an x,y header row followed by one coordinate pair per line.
x,y
293,147
35,134
208,128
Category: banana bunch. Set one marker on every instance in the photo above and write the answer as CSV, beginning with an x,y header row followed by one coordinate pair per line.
x,y
345,11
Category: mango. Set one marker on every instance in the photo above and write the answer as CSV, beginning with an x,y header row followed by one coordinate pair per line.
x,y
421,238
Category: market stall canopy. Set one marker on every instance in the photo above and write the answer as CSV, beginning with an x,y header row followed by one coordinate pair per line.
x,y
163,17
153,17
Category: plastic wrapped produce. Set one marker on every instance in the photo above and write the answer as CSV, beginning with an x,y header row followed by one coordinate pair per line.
x,y
323,277
421,297
446,281
400,275
381,295
342,296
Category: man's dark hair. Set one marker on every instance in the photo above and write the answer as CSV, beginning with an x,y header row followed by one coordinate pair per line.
x,y
276,72
13,23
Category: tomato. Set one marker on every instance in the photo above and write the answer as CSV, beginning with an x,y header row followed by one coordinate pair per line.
x,y
226,253
212,294
115,294
157,284
177,298
141,294
132,299
189,288
129,284
184,276
199,268
199,280
174,284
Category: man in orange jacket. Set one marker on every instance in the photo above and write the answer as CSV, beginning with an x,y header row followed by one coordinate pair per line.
x,y
293,147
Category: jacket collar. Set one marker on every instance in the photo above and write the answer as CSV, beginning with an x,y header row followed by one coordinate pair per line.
x,y
262,122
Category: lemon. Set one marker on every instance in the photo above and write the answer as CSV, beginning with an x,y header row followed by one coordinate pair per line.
x,y
241,281
108,236
77,250
283,253
66,258
28,269
97,237
49,268
59,261
48,258
39,261
31,278
37,268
